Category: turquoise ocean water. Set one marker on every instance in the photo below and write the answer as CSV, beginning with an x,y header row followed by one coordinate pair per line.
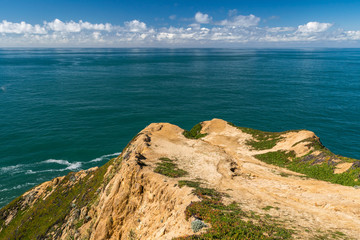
x,y
64,110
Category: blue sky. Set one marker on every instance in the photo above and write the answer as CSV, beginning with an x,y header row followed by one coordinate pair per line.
x,y
179,23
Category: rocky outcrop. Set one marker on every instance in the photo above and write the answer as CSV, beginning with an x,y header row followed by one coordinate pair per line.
x,y
154,188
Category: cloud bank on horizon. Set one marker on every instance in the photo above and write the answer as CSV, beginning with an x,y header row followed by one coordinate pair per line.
x,y
202,31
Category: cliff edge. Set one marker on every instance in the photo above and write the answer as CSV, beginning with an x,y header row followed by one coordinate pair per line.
x,y
214,181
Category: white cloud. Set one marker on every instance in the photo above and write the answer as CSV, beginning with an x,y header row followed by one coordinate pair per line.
x,y
236,29
280,29
314,27
195,25
135,26
21,28
241,21
202,18
172,17
98,27
71,27
59,26
353,35
96,35
232,12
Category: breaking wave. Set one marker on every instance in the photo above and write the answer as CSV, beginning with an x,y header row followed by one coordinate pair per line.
x,y
104,157
70,166
45,166
17,187
11,168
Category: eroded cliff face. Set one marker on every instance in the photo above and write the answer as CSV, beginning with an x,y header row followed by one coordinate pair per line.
x,y
131,197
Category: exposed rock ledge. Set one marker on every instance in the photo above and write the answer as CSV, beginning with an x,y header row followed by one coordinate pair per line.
x,y
128,199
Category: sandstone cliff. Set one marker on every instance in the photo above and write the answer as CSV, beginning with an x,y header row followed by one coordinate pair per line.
x,y
215,181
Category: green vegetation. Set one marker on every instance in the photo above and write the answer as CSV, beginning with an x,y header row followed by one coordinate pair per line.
x,y
49,189
194,133
330,236
202,192
79,223
262,140
191,184
168,168
313,168
132,235
279,158
267,208
47,215
316,145
284,174
320,166
229,222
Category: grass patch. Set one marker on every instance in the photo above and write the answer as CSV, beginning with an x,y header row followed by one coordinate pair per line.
x,y
316,145
191,184
331,235
194,133
48,215
319,166
284,174
79,224
267,208
49,189
132,235
228,222
169,168
323,171
201,192
262,140
279,158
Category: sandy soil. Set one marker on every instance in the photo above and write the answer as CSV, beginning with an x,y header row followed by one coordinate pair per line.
x,y
301,203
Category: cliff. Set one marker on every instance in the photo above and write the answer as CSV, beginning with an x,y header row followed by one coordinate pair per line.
x,y
215,181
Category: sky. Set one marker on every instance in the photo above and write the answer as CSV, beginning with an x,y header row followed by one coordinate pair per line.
x,y
181,23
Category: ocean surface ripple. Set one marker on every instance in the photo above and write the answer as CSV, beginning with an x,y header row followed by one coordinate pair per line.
x,y
63,110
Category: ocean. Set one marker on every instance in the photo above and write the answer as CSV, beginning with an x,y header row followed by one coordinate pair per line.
x,y
64,110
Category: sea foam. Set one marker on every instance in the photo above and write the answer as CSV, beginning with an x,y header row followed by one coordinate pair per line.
x,y
99,159
33,167
70,166
13,168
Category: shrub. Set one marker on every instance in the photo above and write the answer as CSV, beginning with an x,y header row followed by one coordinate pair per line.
x,y
197,225
194,133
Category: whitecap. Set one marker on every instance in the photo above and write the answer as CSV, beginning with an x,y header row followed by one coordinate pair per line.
x,y
99,159
28,168
73,166
58,161
30,172
13,168
70,166
17,187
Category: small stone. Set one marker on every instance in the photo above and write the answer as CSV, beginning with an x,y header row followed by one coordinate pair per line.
x,y
72,178
87,218
76,213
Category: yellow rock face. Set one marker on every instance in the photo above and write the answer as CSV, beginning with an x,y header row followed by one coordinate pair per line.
x,y
138,203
